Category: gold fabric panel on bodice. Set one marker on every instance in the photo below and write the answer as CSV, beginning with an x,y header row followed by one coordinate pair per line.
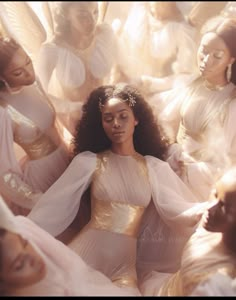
x,y
39,145
116,217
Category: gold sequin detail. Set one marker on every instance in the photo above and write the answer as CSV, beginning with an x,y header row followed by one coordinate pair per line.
x,y
116,217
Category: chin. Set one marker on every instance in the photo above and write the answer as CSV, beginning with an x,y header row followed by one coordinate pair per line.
x,y
30,81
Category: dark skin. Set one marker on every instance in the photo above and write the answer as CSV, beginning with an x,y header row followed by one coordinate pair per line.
x,y
221,217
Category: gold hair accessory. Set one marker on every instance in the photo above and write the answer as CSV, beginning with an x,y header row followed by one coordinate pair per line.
x,y
130,99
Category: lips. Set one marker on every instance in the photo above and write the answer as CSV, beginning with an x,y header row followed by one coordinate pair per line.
x,y
118,133
202,68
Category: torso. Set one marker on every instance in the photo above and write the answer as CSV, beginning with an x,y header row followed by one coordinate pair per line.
x,y
121,190
33,119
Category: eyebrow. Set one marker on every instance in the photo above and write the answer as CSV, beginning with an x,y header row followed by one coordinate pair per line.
x,y
206,47
121,110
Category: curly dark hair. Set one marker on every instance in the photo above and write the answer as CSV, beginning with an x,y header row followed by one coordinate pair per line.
x,y
90,135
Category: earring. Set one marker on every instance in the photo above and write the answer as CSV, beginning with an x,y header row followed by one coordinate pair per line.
x,y
229,72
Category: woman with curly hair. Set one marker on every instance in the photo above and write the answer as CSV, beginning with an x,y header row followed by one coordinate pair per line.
x,y
119,152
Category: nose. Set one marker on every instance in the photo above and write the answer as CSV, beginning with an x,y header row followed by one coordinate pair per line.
x,y
206,58
116,123
29,72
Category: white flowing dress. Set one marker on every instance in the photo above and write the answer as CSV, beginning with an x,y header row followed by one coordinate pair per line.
x,y
122,187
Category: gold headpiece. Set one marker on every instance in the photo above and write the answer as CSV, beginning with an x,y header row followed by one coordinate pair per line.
x,y
130,99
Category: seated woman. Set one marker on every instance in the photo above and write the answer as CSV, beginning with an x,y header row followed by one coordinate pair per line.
x,y
119,152
28,119
200,120
210,253
33,263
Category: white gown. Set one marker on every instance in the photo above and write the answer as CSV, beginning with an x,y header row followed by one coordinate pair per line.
x,y
121,187
200,122
71,74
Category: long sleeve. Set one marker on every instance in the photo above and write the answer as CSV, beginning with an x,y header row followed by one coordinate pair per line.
x,y
46,63
12,186
58,207
174,202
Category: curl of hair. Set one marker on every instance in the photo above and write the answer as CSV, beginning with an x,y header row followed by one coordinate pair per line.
x,y
90,135
8,47
225,28
3,231
229,239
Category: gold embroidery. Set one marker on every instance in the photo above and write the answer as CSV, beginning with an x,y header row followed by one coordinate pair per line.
x,y
14,188
125,280
40,147
116,217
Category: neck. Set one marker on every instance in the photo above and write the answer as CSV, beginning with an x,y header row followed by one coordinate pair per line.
x,y
11,90
80,41
215,84
216,81
122,149
228,239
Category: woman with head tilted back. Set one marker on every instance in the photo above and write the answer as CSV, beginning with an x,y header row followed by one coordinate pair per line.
x,y
200,120
28,119
119,154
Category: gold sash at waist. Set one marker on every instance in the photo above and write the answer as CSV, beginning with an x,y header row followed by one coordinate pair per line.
x,y
39,148
116,217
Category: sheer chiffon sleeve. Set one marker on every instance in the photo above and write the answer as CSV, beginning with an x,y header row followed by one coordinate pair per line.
x,y
7,155
175,203
12,186
58,207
